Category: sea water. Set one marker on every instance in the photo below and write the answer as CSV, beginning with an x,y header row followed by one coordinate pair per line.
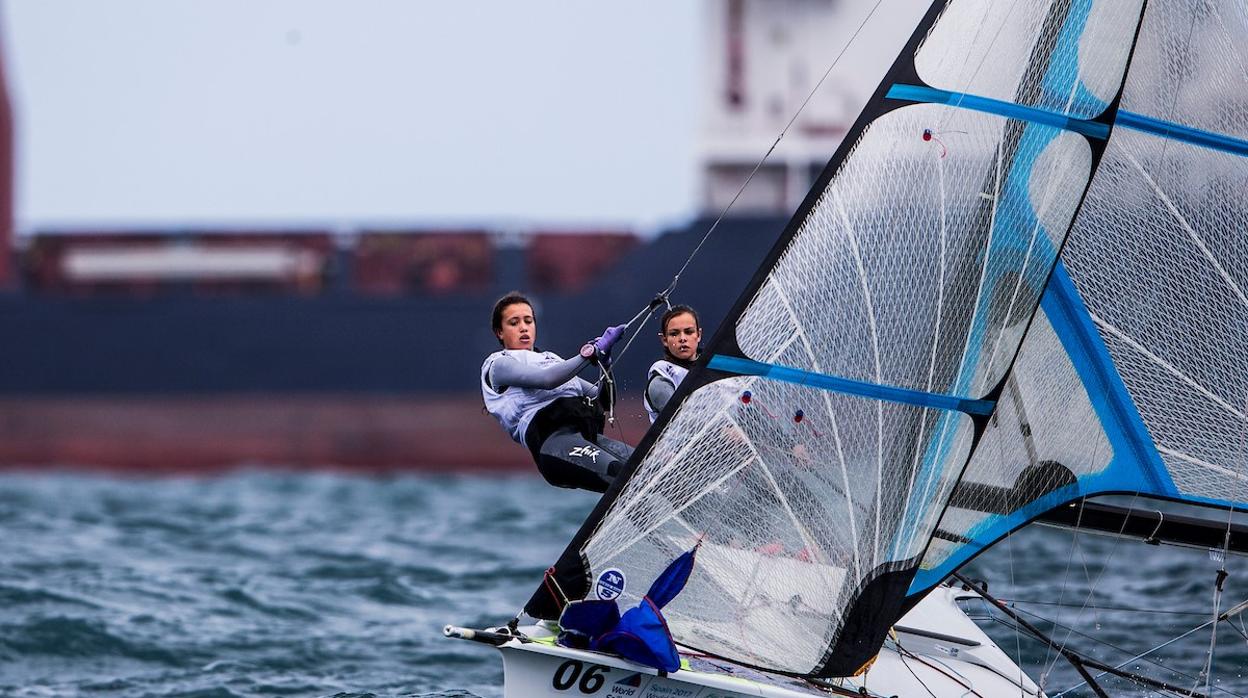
x,y
314,584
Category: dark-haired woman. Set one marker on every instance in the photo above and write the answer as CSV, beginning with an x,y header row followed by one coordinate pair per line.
x,y
681,334
537,397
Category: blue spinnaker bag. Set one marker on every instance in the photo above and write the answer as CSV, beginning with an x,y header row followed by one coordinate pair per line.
x,y
582,622
673,579
641,634
643,637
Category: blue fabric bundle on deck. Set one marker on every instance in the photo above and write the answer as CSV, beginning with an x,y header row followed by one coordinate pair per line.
x,y
641,634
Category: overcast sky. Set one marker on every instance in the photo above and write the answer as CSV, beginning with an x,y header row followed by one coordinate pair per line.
x,y
238,111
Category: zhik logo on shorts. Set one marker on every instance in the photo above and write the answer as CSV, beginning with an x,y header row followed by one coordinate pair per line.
x,y
588,451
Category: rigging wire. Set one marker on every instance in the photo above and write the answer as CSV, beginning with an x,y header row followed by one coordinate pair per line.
x,y
1110,645
663,296
1093,583
1081,662
1066,577
676,279
1009,546
1239,608
1207,671
1018,642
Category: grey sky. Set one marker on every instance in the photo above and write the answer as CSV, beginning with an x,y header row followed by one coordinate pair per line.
x,y
237,111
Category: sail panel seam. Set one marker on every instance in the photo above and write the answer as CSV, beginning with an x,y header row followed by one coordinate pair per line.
x,y
1187,228
1167,366
832,420
987,105
887,393
1202,463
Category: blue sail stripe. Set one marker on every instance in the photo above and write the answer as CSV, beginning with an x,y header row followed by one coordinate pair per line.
x,y
1109,396
1010,110
746,367
1179,132
1135,465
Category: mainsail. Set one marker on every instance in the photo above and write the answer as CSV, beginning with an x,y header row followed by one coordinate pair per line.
x,y
892,339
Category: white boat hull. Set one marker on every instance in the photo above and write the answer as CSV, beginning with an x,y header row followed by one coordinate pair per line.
x,y
945,654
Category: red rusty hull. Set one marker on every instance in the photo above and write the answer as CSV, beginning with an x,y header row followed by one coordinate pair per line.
x,y
175,434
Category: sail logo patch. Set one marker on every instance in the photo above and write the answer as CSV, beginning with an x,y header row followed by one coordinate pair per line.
x,y
610,584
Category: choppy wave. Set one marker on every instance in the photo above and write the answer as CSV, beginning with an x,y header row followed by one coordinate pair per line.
x,y
283,584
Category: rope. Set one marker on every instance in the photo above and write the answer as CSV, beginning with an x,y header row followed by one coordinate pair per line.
x,y
1207,670
552,587
903,653
662,297
1163,645
676,279
1101,642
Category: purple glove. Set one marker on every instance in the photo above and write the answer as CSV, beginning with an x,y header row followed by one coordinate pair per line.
x,y
609,337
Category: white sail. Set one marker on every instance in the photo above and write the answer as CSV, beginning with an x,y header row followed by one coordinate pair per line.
x,y
817,447
1135,380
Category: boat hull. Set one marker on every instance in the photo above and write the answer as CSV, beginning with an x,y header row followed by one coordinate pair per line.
x,y
935,650
534,670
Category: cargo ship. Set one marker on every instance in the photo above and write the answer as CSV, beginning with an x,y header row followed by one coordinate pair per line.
x,y
167,348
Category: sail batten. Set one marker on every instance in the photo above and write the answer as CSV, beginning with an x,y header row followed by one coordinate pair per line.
x,y
987,105
748,367
1180,132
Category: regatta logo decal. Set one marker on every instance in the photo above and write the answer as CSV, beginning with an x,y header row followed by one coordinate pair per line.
x,y
662,688
610,584
585,451
627,687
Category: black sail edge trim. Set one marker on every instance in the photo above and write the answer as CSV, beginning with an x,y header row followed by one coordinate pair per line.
x,y
861,634
571,570
1109,116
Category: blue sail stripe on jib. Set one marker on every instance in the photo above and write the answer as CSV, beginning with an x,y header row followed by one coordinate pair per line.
x,y
1062,83
1017,230
747,367
1010,110
1179,132
1135,466
1109,396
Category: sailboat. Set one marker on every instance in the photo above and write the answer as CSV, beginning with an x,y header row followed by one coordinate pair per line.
x,y
1018,284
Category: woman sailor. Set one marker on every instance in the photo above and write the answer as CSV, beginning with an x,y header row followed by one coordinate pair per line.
x,y
538,398
681,335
